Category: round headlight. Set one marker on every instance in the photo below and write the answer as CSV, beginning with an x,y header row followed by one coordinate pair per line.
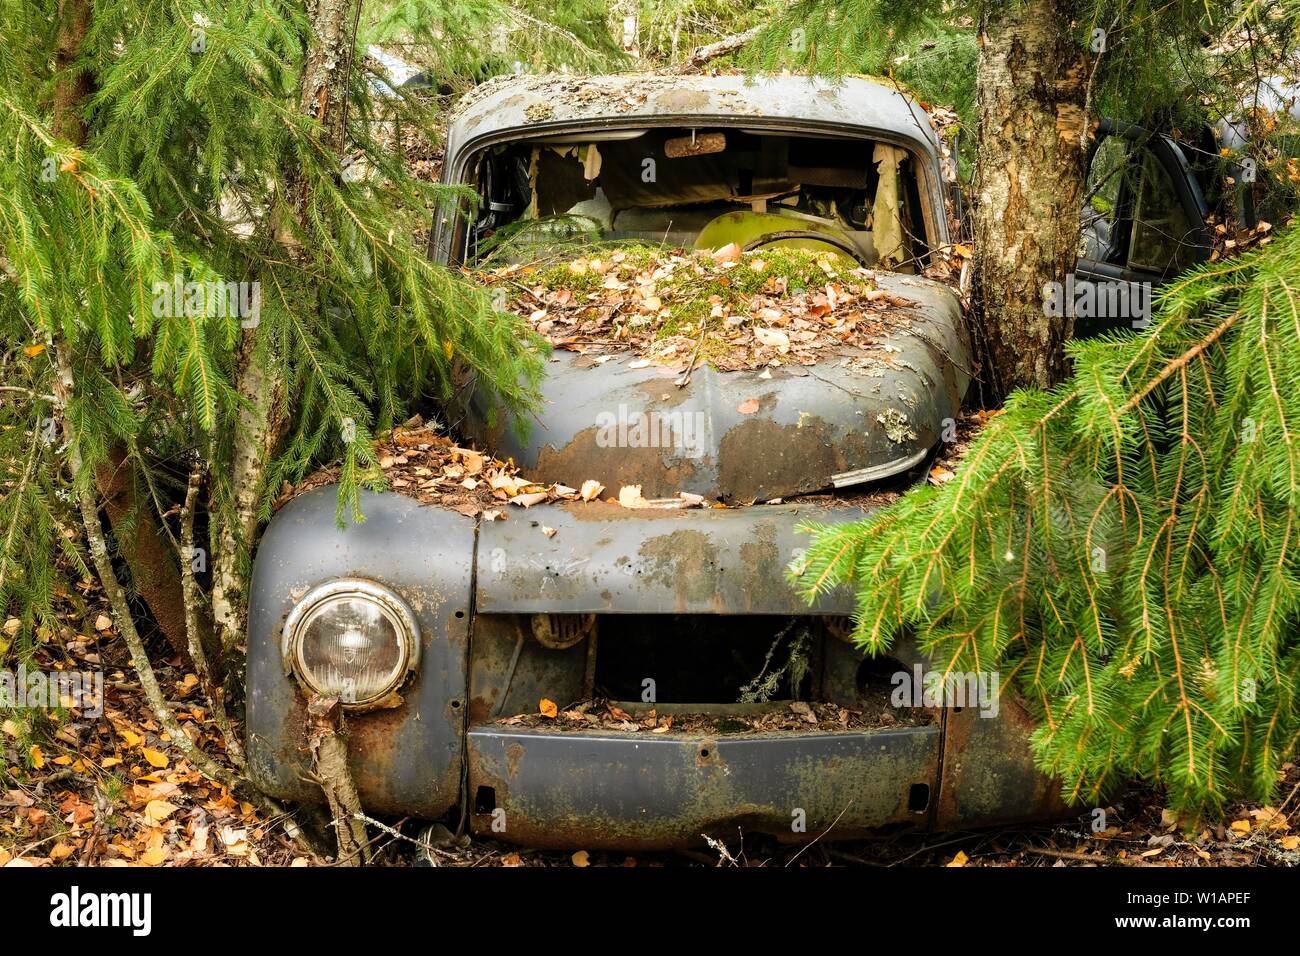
x,y
351,639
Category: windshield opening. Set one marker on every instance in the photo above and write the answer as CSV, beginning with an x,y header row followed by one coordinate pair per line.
x,y
698,188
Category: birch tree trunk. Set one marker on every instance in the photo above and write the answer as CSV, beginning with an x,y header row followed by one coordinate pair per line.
x,y
323,96
1031,84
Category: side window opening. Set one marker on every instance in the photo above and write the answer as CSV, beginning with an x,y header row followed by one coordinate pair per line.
x,y
1132,213
1101,204
1163,233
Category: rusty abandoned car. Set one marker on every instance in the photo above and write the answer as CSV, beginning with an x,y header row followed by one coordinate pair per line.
x,y
438,629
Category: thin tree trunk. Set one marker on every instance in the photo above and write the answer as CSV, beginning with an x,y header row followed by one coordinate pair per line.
x,y
258,426
154,574
1031,84
323,96
323,93
73,88
193,602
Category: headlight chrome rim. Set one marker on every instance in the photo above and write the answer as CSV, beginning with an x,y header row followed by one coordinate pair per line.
x,y
390,604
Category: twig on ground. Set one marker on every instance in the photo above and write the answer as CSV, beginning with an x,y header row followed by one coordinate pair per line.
x,y
690,366
1086,858
820,835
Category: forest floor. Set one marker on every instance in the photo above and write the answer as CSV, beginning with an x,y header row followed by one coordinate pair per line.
x,y
111,790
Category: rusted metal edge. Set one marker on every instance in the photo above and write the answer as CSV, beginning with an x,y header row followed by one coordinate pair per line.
x,y
598,790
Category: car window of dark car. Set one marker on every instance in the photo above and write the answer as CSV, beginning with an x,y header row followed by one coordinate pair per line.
x,y
1102,199
1162,240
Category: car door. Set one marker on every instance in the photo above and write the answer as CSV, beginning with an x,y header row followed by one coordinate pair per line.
x,y
1143,221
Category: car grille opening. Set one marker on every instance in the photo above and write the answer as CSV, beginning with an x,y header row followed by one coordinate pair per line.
x,y
722,674
682,659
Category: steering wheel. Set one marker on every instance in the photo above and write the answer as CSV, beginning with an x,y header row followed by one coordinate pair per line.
x,y
843,245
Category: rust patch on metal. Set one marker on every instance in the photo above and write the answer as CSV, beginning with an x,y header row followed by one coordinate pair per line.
x,y
761,459
706,755
989,775
761,560
513,753
664,392
661,472
613,511
480,710
377,735
683,100
687,562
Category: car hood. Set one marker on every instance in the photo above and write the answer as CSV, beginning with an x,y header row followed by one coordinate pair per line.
x,y
858,416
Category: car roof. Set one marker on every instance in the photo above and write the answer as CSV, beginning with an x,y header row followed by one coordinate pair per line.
x,y
1277,95
537,102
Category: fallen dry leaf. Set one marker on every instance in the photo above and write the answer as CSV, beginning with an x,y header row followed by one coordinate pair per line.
x,y
156,811
629,496
61,851
940,475
528,500
773,338
235,841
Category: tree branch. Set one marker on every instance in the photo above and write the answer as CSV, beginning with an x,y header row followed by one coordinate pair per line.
x,y
711,51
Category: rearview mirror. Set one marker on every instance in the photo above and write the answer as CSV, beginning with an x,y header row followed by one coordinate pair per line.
x,y
697,144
